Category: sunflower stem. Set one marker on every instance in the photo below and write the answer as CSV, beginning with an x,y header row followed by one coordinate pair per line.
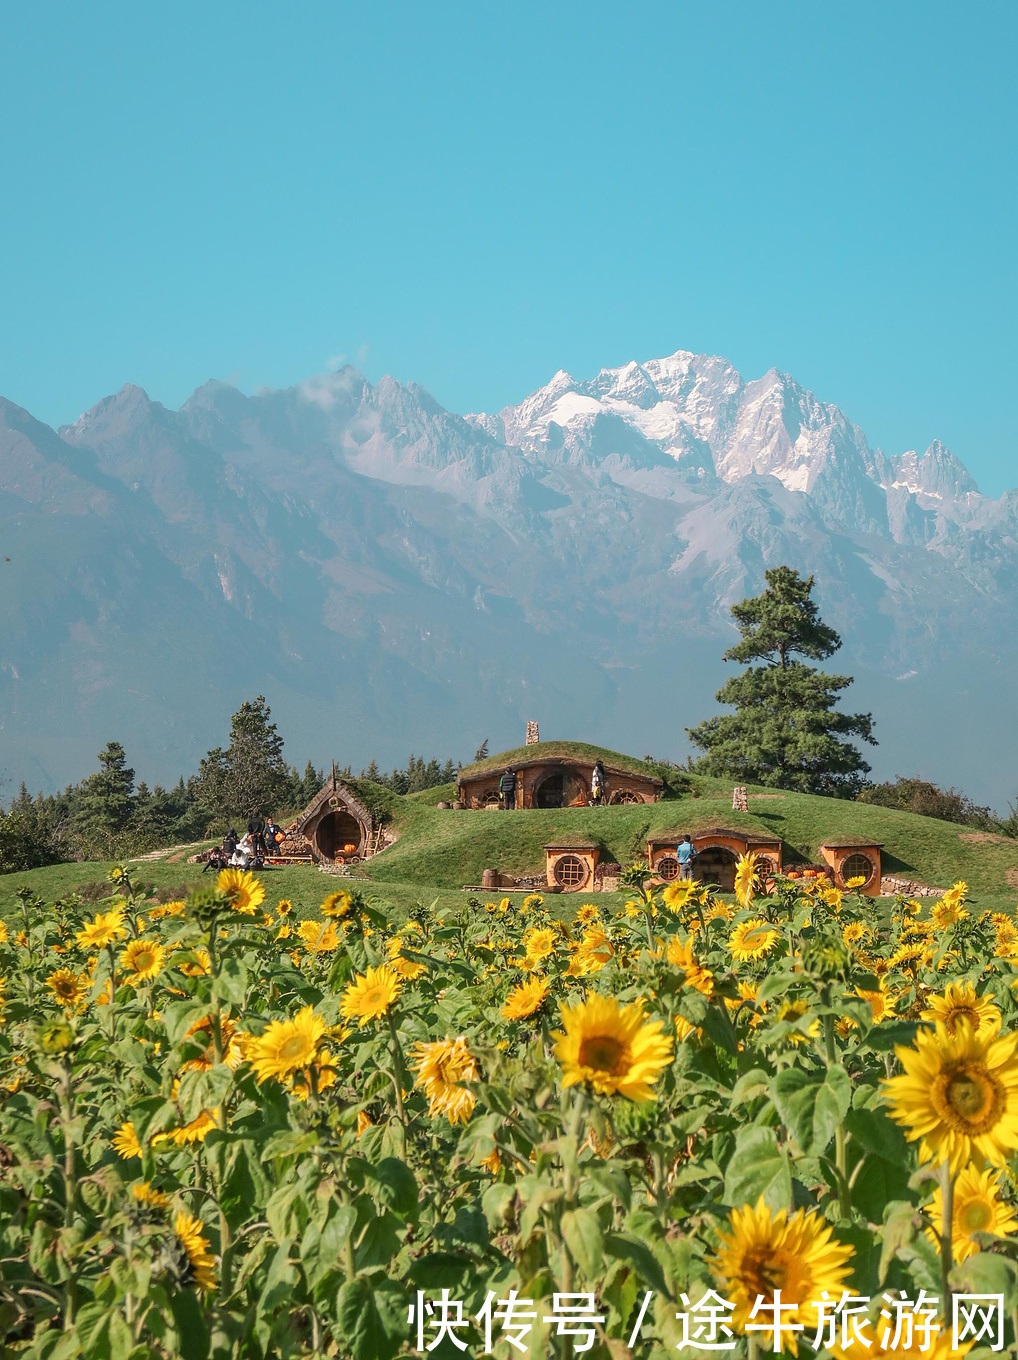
x,y
840,1141
397,1078
70,1179
946,1233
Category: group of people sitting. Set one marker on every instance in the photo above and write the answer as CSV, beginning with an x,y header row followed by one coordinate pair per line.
x,y
250,851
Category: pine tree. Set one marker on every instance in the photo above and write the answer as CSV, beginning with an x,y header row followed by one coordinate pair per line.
x,y
482,751
104,802
250,777
785,732
372,772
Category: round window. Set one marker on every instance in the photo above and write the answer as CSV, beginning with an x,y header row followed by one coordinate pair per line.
x,y
667,867
625,796
570,872
857,866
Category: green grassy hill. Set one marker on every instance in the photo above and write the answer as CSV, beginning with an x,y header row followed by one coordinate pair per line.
x,y
438,851
449,849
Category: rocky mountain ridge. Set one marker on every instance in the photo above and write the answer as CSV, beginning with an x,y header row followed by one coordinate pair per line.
x,y
394,576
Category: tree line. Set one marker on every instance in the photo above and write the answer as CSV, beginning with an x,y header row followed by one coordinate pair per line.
x,y
785,732
109,815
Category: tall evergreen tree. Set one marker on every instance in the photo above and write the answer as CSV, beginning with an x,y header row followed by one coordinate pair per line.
x,y
785,731
250,777
105,801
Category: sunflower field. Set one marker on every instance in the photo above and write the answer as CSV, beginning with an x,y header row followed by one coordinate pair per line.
x,y
784,1123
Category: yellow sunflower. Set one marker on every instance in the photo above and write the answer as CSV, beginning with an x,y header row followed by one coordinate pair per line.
x,y
370,995
792,1012
442,1068
200,1260
909,958
319,936
745,879
855,932
764,1251
201,1034
977,1208
881,1002
284,906
538,942
616,1049
67,987
199,966
532,901
241,889
525,999
146,1194
106,928
142,961
855,882
883,1346
287,1045
960,1002
337,904
676,895
3,933
958,1094
752,939
364,1122
125,1141
680,953
407,969
587,914
591,953
945,914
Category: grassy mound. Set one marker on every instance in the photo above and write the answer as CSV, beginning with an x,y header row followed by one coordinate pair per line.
x,y
449,849
673,779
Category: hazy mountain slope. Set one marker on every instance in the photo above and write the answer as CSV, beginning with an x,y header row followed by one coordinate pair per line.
x,y
394,576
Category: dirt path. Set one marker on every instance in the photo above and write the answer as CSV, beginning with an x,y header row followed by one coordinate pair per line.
x,y
168,852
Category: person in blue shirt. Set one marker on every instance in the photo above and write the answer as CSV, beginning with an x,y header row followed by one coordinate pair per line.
x,y
685,854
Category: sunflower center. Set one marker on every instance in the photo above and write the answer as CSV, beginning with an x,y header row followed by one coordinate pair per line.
x,y
969,1098
294,1048
977,1217
764,1271
962,1013
602,1052
754,939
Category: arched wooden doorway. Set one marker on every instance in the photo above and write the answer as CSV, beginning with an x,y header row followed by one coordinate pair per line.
x,y
335,831
559,788
716,864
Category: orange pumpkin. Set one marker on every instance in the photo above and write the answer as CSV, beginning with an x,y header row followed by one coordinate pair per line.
x,y
349,848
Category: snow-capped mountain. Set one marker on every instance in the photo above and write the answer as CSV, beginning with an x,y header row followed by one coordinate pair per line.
x,y
394,576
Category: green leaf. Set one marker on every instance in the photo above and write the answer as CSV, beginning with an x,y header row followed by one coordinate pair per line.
x,y
986,1273
812,1105
192,1331
640,1259
204,1090
179,1016
748,1087
876,1132
286,1213
901,1223
884,1037
758,1167
581,1233
232,982
372,1320
773,985
397,1187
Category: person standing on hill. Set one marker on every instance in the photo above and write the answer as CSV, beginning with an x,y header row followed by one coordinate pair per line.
x,y
597,783
256,830
507,789
685,854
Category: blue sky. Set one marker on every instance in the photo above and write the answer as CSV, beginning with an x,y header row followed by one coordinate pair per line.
x,y
472,196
